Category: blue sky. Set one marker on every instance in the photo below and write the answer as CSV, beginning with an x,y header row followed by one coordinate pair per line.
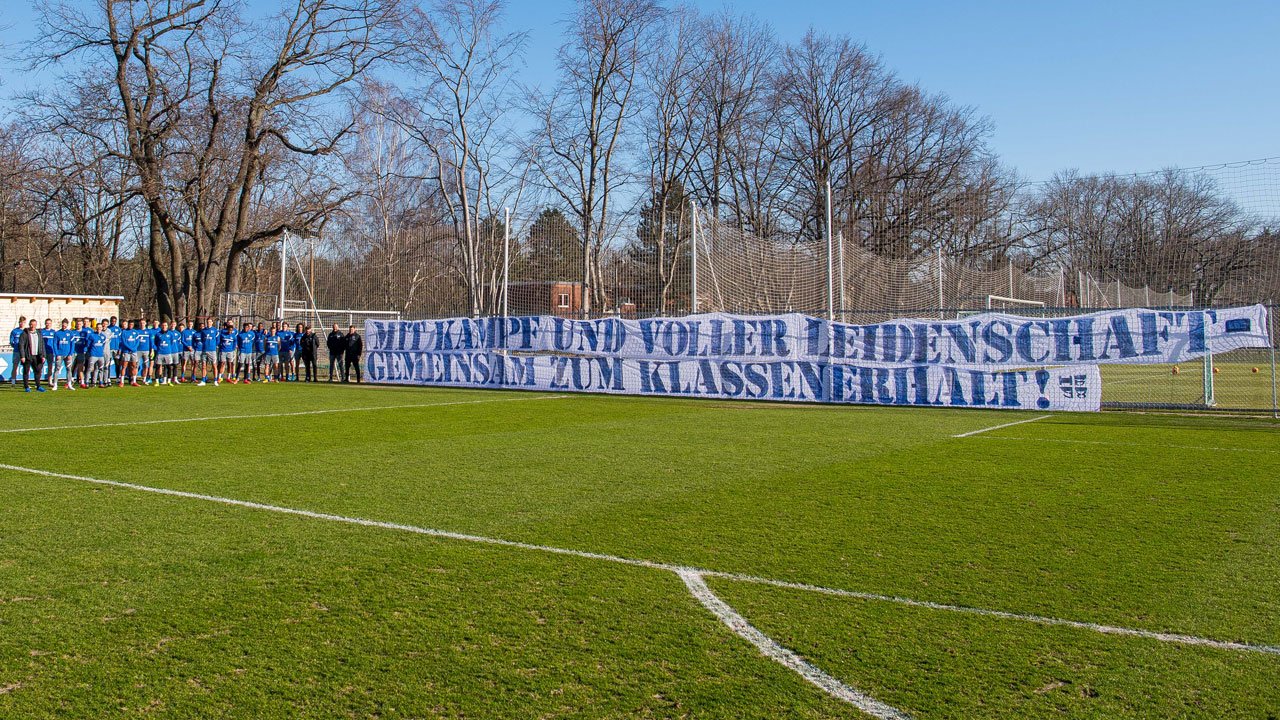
x,y
1118,86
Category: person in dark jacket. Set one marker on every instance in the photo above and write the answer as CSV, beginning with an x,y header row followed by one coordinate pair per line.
x,y
308,348
353,349
31,347
337,344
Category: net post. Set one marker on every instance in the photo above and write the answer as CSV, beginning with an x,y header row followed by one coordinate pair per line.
x,y
506,258
1271,324
941,297
284,266
1208,380
831,299
840,260
693,260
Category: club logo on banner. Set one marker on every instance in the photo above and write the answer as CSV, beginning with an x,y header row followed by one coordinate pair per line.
x,y
990,360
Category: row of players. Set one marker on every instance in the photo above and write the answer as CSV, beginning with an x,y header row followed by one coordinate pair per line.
x,y
161,354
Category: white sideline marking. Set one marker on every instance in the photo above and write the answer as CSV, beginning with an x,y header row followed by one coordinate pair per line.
x,y
997,427
781,655
282,414
1133,444
1176,638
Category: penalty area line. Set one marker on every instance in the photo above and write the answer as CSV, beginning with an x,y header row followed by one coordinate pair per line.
x,y
326,411
971,433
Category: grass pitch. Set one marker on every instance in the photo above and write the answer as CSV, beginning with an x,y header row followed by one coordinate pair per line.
x,y
121,603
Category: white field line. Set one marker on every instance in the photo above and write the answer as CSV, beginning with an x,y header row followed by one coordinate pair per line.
x,y
971,433
1214,448
327,411
781,655
1175,638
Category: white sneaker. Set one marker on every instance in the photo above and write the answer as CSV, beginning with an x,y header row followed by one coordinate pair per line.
x,y
201,384
54,386
216,383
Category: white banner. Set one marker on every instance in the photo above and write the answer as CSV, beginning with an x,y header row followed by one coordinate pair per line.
x,y
988,340
1077,388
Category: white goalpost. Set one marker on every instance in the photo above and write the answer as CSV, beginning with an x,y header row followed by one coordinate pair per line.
x,y
993,299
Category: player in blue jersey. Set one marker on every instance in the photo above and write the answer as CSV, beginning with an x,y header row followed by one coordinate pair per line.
x,y
209,352
286,351
80,346
145,347
244,347
15,342
63,355
113,333
98,349
272,362
190,353
167,347
259,350
148,355
226,353
131,339
46,338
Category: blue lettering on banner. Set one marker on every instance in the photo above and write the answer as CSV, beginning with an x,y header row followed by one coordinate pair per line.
x,y
989,360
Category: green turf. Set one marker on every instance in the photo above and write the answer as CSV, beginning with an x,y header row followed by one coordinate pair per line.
x,y
120,603
1242,382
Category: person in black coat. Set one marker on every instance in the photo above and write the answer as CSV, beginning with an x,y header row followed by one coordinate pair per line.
x,y
353,349
33,354
308,348
337,344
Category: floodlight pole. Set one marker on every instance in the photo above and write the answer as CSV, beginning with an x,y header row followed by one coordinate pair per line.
x,y
284,266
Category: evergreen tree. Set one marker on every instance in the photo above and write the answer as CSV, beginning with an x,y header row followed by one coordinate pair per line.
x,y
660,254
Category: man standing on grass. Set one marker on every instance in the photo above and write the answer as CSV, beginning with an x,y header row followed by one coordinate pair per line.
x,y
80,348
131,339
146,345
64,355
208,351
260,350
187,371
15,340
244,346
98,350
31,350
272,363
114,335
47,334
287,344
168,346
226,352
308,347
337,344
353,349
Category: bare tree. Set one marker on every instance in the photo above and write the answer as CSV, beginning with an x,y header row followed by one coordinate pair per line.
x,y
459,119
578,146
